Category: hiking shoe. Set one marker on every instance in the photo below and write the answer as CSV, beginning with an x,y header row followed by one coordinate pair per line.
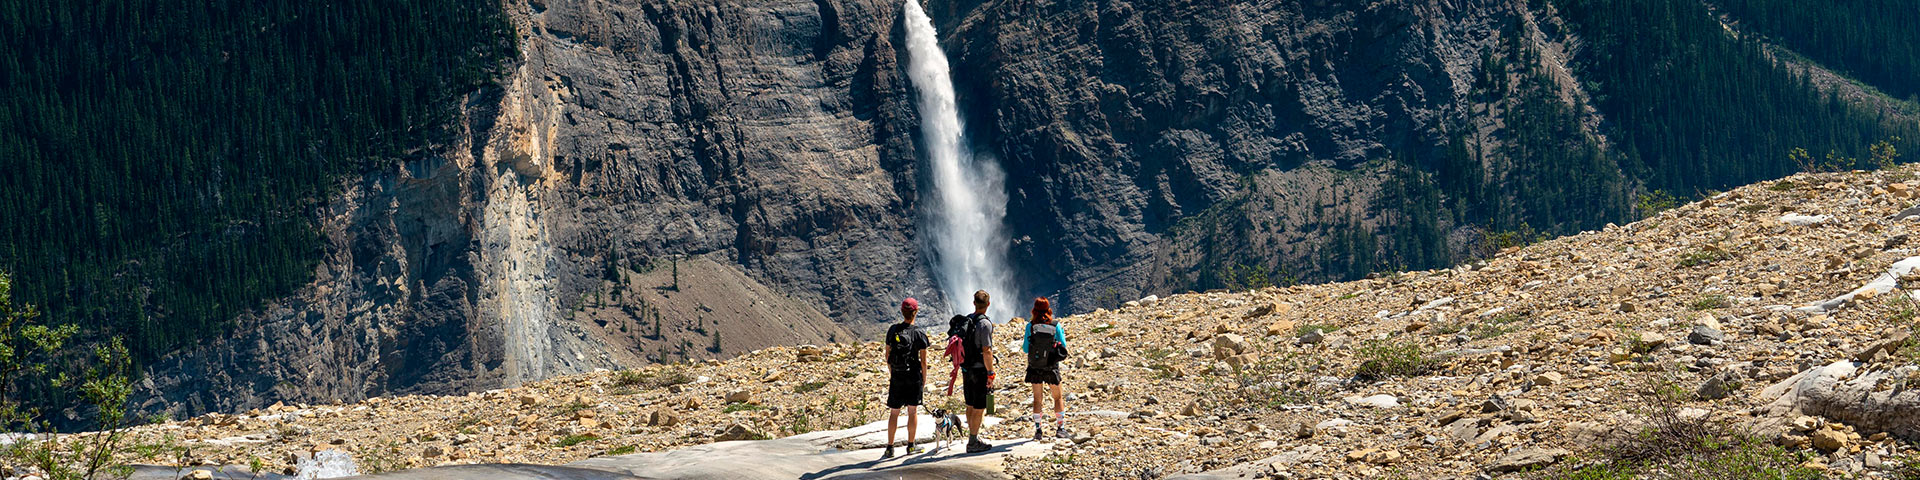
x,y
887,455
915,449
1038,431
978,446
1062,433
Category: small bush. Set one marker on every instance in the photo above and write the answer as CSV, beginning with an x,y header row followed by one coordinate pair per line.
x,y
1909,468
1654,202
1703,256
809,387
1673,447
1388,358
1709,302
1265,383
572,440
630,378
1313,327
1783,185
740,407
381,458
574,407
622,450
1492,243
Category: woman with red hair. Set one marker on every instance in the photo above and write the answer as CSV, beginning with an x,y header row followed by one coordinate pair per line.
x,y
1045,344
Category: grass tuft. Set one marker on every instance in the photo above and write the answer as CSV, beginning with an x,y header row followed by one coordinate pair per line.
x,y
572,440
1393,358
1710,302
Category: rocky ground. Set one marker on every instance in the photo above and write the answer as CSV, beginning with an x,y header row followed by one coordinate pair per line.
x,y
1530,358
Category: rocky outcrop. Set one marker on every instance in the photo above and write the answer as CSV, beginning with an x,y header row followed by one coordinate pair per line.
x,y
1877,399
1132,129
630,135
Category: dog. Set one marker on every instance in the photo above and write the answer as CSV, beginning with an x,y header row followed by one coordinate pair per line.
x,y
946,428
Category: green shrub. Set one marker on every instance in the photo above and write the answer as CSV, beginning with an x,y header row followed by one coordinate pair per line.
x,y
577,439
35,354
630,378
622,450
1313,327
1654,202
1389,358
809,387
740,407
1709,302
1673,447
1704,256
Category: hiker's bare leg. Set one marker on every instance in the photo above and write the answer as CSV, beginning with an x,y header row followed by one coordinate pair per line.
x,y
1058,404
973,421
913,421
893,421
1037,395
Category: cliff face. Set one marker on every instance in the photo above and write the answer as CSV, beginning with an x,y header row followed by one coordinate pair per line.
x,y
1123,119
633,136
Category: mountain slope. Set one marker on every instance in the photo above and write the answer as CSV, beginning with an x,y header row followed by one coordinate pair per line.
x,y
1542,347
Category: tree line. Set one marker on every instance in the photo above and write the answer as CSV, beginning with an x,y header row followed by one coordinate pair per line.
x,y
165,159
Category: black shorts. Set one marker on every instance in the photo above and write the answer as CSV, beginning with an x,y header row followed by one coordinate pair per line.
x,y
975,388
905,389
1049,376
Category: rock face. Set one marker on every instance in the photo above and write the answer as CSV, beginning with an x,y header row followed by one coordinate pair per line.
x,y
1145,112
632,134
1873,398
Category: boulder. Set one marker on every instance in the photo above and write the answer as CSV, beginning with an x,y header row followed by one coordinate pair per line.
x,y
1649,341
739,396
1281,327
1526,459
1845,392
1312,336
1829,440
1886,345
1705,335
738,431
1193,410
1228,345
662,418
1374,401
1549,379
1720,385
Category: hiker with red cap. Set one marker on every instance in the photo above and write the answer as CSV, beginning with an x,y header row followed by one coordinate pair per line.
x,y
907,359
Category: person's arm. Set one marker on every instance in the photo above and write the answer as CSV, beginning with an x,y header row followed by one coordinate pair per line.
x,y
923,366
1026,338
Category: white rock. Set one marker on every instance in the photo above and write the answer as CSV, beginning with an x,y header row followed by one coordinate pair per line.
x,y
1375,401
1796,219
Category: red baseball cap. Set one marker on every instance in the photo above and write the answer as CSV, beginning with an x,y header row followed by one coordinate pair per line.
x,y
909,304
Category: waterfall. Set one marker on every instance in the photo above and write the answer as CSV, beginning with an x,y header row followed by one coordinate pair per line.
x,y
964,219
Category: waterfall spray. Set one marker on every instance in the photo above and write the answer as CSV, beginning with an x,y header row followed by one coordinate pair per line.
x,y
969,251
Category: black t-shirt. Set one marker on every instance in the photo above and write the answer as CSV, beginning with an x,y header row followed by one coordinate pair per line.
x,y
912,336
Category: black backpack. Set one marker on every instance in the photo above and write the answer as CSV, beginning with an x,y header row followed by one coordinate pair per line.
x,y
967,328
1044,349
901,356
